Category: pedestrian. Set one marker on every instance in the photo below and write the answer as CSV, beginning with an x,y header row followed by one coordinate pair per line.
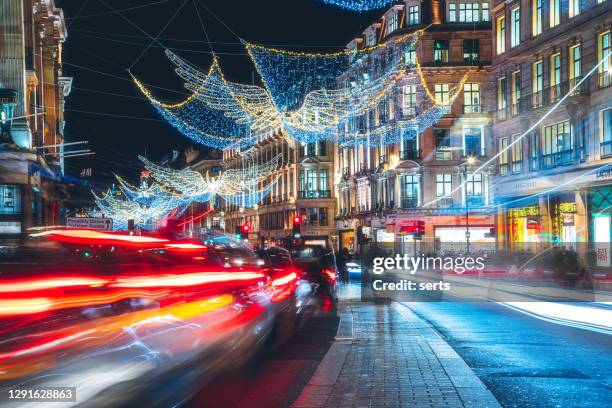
x,y
341,265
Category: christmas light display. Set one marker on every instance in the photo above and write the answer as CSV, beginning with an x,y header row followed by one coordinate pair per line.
x,y
359,5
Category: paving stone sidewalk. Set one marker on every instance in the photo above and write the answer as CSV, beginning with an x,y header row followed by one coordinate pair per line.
x,y
386,356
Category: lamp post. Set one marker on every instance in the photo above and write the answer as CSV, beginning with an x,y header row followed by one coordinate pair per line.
x,y
470,161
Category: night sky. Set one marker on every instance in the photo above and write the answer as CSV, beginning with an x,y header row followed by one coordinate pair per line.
x,y
106,108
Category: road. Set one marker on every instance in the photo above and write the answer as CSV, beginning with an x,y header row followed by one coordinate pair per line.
x,y
275,379
523,360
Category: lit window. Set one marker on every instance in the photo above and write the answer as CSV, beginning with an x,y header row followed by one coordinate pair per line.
x,y
515,29
501,94
555,12
413,15
441,51
442,138
575,64
473,142
516,91
410,54
411,191
391,23
557,144
516,154
441,94
574,8
471,98
485,12
555,76
11,199
452,12
503,156
468,12
474,190
606,132
501,35
537,17
604,53
538,83
444,186
408,99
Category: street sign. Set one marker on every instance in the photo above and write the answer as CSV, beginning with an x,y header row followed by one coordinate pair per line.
x,y
99,224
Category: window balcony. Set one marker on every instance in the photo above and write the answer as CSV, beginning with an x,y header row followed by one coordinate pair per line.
x,y
501,114
504,169
472,109
517,166
311,194
606,148
605,79
475,200
410,202
443,202
550,95
409,155
560,158
443,154
474,151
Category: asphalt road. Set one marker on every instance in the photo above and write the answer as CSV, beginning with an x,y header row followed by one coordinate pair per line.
x,y
274,379
525,361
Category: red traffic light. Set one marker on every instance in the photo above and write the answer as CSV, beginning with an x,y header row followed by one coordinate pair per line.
x,y
245,227
297,220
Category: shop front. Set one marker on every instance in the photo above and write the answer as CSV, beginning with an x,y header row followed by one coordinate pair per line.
x,y
600,217
524,228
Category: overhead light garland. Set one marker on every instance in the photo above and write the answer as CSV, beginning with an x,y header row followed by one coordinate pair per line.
x,y
359,5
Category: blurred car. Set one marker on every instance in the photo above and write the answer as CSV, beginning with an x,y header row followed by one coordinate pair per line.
x,y
317,265
128,318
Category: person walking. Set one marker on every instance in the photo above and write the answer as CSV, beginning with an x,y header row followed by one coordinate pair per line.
x,y
341,265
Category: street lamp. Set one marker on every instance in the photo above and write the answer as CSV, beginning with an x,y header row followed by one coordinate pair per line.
x,y
469,162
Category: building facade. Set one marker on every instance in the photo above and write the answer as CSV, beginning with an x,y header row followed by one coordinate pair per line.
x,y
384,190
32,91
304,187
553,125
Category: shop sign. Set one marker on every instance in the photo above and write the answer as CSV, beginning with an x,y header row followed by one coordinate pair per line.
x,y
524,211
603,173
603,254
384,236
567,208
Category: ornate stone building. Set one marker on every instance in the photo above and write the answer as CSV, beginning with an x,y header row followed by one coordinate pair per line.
x,y
33,91
553,129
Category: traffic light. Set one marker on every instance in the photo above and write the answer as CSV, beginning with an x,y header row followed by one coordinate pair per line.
x,y
297,226
242,231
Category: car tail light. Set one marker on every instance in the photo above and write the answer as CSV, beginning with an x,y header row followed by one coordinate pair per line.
x,y
330,274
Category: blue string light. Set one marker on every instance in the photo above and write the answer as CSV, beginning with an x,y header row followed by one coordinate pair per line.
x,y
359,5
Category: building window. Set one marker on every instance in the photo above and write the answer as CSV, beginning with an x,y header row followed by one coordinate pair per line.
x,y
370,38
452,12
485,12
471,98
473,142
536,17
413,15
538,83
410,145
408,100
534,140
323,217
473,190
606,132
441,51
468,12
605,77
557,145
516,91
410,54
11,199
555,77
575,70
322,148
391,23
503,156
443,189
555,12
501,97
471,51
441,94
516,153
574,8
411,191
515,28
500,35
323,183
442,137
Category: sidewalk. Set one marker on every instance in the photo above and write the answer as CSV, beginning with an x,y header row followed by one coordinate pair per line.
x,y
386,356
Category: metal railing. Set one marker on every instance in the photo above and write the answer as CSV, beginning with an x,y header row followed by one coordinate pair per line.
x,y
444,202
606,148
556,159
605,79
409,155
410,202
472,108
475,200
314,194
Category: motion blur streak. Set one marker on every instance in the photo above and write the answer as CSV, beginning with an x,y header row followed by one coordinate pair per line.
x,y
583,316
97,237
97,333
284,280
51,283
186,246
185,280
14,307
